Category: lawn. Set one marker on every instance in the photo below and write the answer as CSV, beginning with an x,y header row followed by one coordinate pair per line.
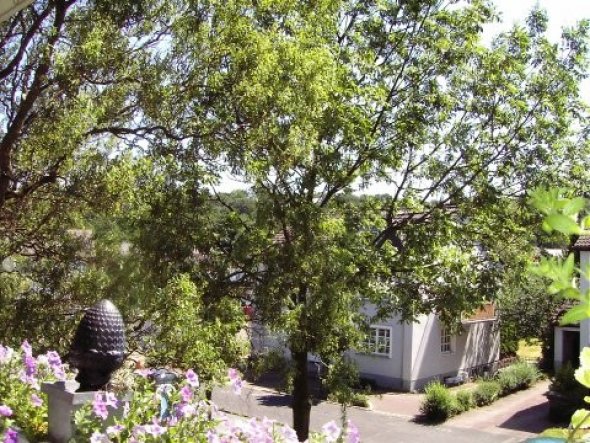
x,y
529,349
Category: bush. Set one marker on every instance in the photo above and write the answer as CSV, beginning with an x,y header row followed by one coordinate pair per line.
x,y
439,403
517,376
566,395
464,400
509,381
486,392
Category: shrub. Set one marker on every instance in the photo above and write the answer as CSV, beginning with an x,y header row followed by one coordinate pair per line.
x,y
464,400
517,376
439,403
486,392
566,395
508,380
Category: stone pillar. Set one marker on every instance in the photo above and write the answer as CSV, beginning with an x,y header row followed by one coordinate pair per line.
x,y
63,401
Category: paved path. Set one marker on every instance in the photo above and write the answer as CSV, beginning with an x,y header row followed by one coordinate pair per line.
x,y
523,414
375,426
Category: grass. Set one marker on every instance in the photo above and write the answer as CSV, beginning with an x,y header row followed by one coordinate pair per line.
x,y
529,349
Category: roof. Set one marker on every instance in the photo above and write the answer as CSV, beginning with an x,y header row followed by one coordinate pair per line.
x,y
582,243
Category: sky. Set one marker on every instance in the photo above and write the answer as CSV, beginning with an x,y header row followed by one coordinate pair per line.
x,y
561,13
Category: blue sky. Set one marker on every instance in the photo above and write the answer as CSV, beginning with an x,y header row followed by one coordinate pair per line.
x,y
561,13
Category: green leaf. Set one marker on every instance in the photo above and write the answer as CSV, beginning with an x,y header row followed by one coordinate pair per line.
x,y
563,224
574,315
580,419
585,358
574,206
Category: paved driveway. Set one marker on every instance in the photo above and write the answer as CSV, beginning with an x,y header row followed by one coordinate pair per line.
x,y
375,426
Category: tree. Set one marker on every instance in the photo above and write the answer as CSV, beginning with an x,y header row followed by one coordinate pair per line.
x,y
317,98
78,84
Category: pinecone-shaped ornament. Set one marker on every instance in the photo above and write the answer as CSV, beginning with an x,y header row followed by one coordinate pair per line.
x,y
98,348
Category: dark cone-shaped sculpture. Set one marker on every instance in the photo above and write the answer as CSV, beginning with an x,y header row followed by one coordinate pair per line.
x,y
99,346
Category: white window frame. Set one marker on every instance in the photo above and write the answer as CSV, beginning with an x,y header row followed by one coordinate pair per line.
x,y
446,340
375,338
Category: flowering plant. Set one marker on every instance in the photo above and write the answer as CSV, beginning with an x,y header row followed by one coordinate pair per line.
x,y
23,406
181,414
163,413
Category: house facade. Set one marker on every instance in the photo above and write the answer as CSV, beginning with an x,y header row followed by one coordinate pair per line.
x,y
569,340
406,356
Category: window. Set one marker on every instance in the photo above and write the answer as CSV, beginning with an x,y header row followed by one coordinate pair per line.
x,y
379,341
445,340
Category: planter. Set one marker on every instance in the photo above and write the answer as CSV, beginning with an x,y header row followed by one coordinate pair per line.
x,y
63,402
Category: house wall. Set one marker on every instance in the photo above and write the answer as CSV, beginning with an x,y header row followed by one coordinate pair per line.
x,y
477,346
387,372
584,286
263,341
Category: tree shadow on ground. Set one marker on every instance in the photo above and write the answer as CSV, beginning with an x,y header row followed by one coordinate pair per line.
x,y
275,400
534,419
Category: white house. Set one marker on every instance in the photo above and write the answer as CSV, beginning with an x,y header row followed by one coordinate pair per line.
x,y
406,356
571,339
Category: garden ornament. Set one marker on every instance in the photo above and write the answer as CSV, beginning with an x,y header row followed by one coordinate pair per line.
x,y
164,380
98,348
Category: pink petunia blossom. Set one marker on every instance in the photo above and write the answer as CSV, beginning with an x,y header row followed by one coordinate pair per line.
x,y
352,432
6,354
192,378
97,437
235,380
186,393
114,430
10,436
27,349
36,400
99,406
331,431
5,411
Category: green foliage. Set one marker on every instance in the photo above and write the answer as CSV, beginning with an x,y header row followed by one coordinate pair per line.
x,y
341,381
557,208
516,377
439,403
464,400
22,393
187,336
140,410
486,392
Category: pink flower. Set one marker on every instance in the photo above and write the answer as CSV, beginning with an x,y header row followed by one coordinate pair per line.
x,y
192,378
6,353
36,400
289,433
352,432
114,430
11,436
331,431
5,411
97,437
186,393
27,349
212,437
143,372
56,365
155,429
235,380
99,406
111,400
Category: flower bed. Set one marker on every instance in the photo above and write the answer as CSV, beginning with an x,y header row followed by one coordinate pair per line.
x,y
440,403
164,413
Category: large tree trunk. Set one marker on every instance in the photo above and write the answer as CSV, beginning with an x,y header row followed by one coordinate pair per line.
x,y
301,399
